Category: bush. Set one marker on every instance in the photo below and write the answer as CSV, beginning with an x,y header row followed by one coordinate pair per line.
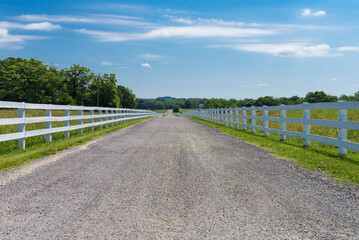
x,y
176,109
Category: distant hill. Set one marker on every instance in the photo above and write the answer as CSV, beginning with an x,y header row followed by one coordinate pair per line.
x,y
167,97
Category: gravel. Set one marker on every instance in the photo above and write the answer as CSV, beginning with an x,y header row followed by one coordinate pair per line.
x,y
173,178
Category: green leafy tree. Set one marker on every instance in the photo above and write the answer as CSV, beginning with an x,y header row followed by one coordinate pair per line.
x,y
127,97
176,109
319,96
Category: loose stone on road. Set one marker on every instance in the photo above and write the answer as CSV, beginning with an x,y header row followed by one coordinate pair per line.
x,y
174,178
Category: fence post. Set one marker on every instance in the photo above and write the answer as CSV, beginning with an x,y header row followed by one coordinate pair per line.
x,y
253,121
116,116
91,120
100,119
231,117
237,118
282,124
67,122
342,132
111,117
80,121
48,136
306,127
106,118
21,127
244,120
265,122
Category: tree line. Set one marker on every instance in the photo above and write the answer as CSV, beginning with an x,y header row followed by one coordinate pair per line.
x,y
30,80
311,97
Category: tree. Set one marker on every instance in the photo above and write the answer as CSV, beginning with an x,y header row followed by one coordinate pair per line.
x,y
267,100
77,79
108,92
176,109
127,97
319,96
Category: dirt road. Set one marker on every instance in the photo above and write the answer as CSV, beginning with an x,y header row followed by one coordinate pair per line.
x,y
173,178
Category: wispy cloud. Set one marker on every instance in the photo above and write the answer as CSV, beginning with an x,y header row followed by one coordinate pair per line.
x,y
92,18
309,12
14,41
45,26
288,49
348,49
108,63
150,56
332,79
182,32
261,85
146,65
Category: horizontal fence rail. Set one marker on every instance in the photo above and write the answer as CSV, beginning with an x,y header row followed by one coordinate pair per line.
x,y
111,115
231,117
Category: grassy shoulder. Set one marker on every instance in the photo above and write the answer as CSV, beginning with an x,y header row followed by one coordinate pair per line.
x,y
318,157
21,157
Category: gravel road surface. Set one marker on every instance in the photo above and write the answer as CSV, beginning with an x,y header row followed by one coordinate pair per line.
x,y
173,178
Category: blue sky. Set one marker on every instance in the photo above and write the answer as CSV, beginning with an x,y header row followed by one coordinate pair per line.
x,y
204,48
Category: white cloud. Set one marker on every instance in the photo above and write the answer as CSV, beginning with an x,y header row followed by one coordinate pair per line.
x,y
261,85
184,32
332,79
45,26
151,56
288,49
187,20
107,63
13,41
146,65
348,48
94,18
55,18
306,12
320,13
309,12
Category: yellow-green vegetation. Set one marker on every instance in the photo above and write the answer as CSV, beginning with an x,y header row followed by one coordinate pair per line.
x,y
15,158
185,110
161,111
318,156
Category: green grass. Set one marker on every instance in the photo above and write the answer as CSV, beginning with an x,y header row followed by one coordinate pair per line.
x,y
185,110
161,111
318,156
15,158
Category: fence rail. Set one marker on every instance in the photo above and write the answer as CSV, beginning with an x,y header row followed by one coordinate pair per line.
x,y
112,116
231,117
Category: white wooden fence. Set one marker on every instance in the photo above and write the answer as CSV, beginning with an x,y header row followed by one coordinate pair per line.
x,y
231,117
112,116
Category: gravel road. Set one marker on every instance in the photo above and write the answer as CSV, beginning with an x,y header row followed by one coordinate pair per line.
x,y
173,178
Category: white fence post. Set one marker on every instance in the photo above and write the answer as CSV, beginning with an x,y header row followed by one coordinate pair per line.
x,y
112,117
91,120
99,119
253,121
106,118
306,127
265,122
48,136
116,116
282,124
21,127
244,120
231,117
237,118
67,122
80,121
342,132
